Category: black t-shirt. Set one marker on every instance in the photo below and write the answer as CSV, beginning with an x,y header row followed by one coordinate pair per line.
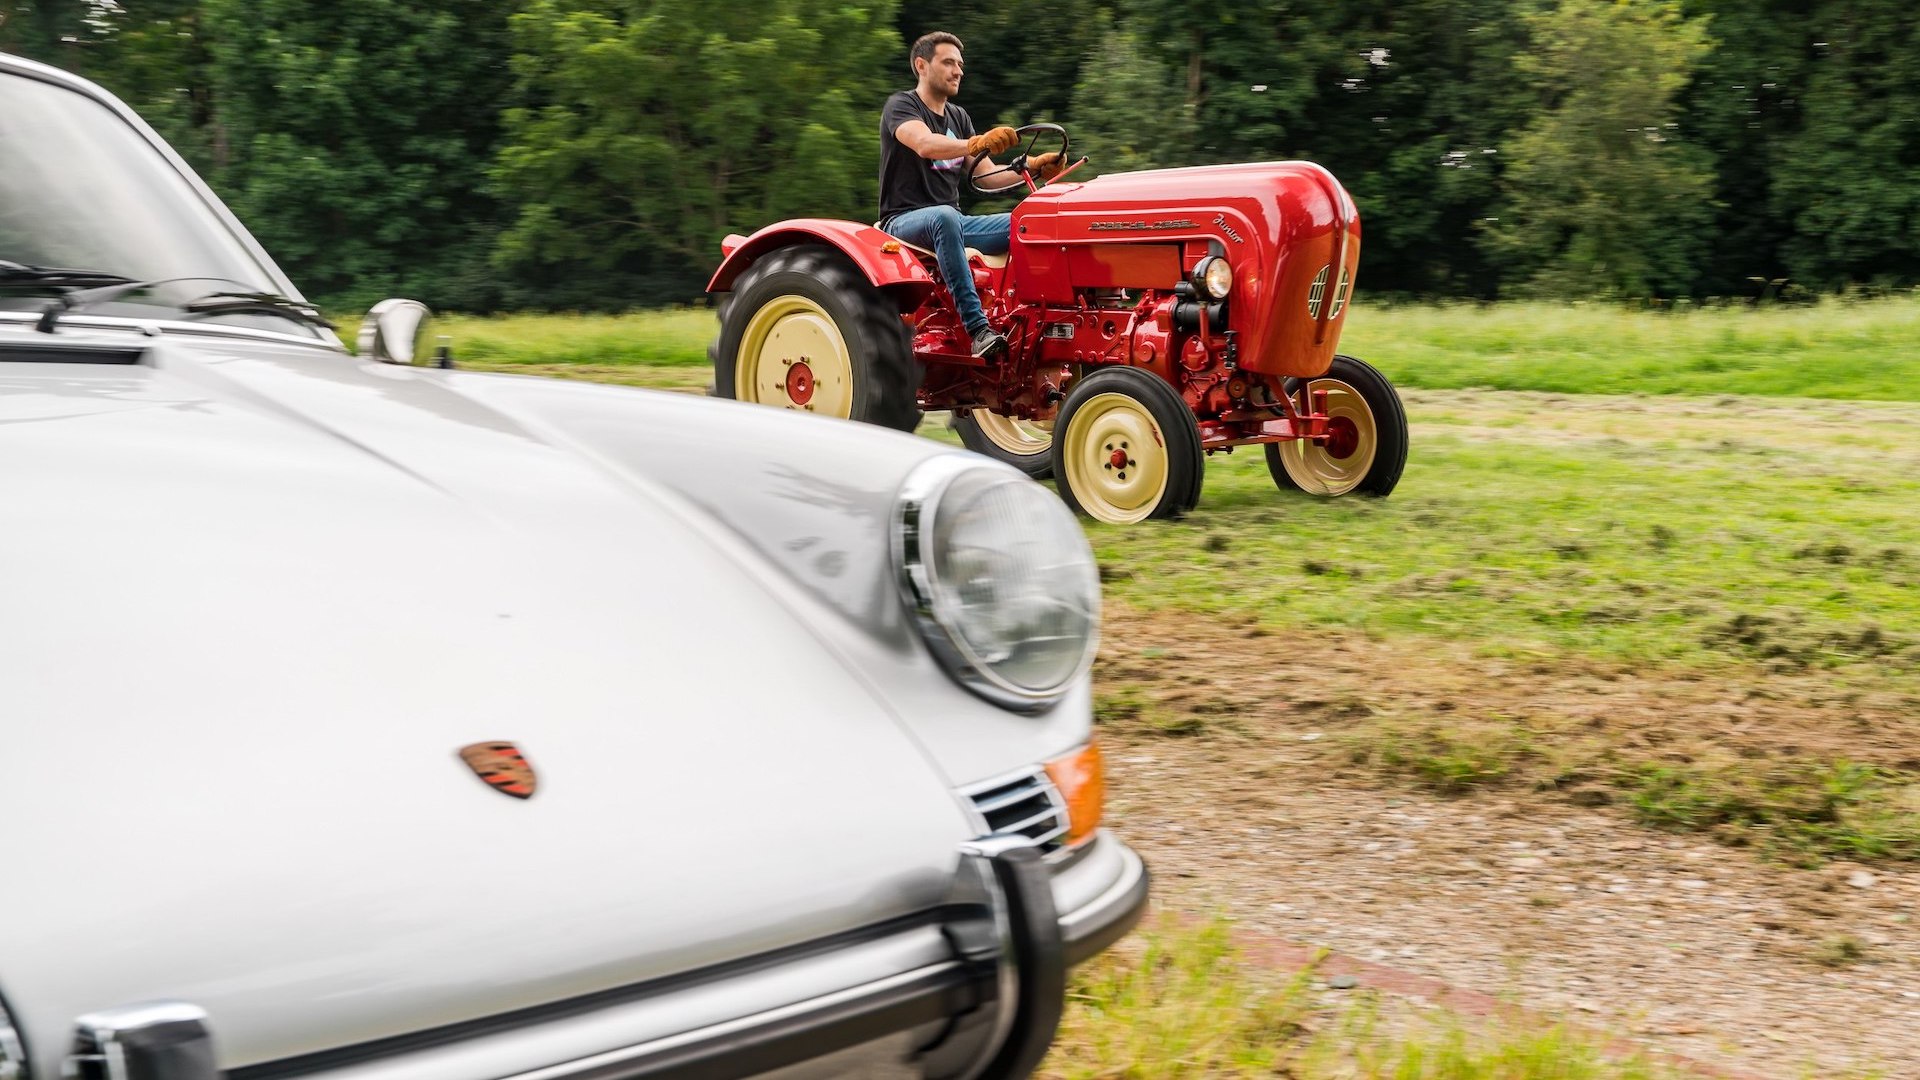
x,y
907,180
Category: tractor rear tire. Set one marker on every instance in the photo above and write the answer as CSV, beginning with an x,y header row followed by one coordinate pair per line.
x,y
1023,444
1126,448
1369,448
804,329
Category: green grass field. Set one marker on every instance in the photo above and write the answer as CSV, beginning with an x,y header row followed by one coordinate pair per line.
x,y
1188,1004
1835,350
1182,1000
1642,529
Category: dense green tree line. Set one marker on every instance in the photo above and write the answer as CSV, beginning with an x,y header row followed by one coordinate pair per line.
x,y
482,154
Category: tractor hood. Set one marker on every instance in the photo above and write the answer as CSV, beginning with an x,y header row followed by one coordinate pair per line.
x,y
260,595
1289,229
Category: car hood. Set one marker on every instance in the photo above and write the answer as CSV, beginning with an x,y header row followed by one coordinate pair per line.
x,y
258,599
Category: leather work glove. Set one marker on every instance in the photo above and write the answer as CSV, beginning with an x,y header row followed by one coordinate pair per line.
x,y
1045,166
997,141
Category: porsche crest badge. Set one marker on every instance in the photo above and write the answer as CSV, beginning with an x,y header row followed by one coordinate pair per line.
x,y
502,766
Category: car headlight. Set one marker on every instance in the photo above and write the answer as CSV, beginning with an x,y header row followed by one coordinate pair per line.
x,y
1213,277
1000,579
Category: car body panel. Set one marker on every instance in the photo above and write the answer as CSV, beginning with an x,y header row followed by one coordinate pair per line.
x,y
826,522
267,567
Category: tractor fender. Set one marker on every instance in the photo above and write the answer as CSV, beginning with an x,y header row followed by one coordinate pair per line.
x,y
886,262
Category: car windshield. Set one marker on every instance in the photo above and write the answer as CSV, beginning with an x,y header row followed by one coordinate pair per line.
x,y
81,188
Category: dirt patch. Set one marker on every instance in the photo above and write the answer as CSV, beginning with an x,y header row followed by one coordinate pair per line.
x,y
1587,730
1258,774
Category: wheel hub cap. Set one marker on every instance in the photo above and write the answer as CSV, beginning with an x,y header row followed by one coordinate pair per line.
x,y
1343,437
800,383
1338,465
1115,458
793,356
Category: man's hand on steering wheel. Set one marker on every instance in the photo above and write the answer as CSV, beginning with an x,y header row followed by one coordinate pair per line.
x,y
1027,164
996,141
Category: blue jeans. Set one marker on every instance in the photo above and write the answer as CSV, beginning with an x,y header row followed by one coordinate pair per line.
x,y
948,233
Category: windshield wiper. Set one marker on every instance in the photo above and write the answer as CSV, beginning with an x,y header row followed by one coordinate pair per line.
x,y
216,302
13,273
260,302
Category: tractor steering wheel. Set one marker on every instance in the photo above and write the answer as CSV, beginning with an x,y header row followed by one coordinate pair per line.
x,y
1032,133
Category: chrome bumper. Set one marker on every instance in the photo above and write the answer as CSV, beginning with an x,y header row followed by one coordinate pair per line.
x,y
1090,925
980,998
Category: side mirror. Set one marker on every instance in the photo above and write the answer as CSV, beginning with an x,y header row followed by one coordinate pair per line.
x,y
395,331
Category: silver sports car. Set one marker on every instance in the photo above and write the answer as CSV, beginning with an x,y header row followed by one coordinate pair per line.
x,y
371,719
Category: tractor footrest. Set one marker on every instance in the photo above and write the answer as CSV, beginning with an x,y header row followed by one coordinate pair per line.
x,y
941,357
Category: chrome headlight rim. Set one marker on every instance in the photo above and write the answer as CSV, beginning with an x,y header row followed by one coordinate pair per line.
x,y
1213,277
916,508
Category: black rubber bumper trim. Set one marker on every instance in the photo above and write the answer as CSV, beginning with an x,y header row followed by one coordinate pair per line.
x,y
1094,940
1040,956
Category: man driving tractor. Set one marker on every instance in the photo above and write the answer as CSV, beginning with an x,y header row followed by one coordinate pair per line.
x,y
925,141
1120,331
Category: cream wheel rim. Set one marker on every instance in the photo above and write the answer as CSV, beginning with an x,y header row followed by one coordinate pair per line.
x,y
1022,438
1116,459
792,355
1339,465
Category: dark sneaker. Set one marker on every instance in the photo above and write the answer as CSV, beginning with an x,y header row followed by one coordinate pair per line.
x,y
988,342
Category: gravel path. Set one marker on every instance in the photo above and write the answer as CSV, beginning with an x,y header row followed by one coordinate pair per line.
x,y
1685,946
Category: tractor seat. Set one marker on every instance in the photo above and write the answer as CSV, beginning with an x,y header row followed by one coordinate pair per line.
x,y
993,262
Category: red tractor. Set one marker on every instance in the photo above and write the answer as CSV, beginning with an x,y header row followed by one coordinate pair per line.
x,y
1151,319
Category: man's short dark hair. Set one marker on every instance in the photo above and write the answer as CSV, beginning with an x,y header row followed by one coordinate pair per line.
x,y
928,44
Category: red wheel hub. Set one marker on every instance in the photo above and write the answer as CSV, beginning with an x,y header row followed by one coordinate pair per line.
x,y
1117,459
800,383
1343,437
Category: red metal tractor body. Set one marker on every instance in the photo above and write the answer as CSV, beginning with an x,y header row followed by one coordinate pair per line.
x,y
1110,298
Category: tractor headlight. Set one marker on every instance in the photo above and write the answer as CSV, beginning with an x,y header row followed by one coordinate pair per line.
x,y
1213,277
1000,578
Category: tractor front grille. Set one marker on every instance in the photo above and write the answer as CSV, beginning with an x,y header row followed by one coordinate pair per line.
x,y
1317,295
1025,805
1340,294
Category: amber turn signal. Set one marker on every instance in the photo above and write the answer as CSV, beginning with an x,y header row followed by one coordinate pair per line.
x,y
1081,778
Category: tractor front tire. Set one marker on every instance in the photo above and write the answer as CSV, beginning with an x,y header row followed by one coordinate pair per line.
x,y
1026,445
1368,448
1126,448
804,329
